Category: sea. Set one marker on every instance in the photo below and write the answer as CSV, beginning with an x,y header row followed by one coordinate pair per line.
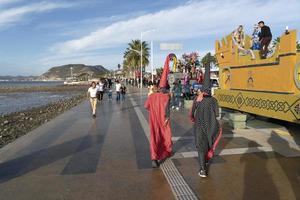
x,y
19,101
22,84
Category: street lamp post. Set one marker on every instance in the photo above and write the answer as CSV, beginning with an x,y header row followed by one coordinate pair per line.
x,y
152,61
141,54
150,30
141,77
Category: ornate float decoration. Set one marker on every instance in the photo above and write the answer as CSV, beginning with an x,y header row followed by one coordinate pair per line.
x,y
267,87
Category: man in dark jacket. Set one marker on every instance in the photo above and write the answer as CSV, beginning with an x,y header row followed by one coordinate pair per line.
x,y
265,38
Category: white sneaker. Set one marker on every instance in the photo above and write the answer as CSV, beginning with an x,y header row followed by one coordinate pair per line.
x,y
177,108
173,107
202,174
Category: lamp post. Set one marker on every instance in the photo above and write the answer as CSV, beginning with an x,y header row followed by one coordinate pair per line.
x,y
152,61
143,32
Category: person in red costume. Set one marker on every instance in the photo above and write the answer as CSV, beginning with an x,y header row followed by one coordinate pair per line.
x,y
158,105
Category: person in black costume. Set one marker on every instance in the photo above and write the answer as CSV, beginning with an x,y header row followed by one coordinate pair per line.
x,y
204,113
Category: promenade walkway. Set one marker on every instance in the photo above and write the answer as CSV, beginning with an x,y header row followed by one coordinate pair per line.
x,y
77,157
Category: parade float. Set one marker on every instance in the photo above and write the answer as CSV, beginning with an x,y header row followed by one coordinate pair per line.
x,y
267,87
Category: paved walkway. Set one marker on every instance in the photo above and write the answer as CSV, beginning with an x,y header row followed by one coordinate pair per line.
x,y
77,157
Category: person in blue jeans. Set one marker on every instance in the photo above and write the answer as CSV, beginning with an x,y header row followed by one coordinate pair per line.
x,y
177,91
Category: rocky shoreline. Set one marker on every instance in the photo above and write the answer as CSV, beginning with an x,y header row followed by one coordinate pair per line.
x,y
60,88
15,125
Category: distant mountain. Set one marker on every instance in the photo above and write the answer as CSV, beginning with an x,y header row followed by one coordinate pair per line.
x,y
62,72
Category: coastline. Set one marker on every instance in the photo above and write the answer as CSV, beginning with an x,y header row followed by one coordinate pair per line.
x,y
17,124
60,88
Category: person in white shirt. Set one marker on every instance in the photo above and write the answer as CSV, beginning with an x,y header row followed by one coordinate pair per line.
x,y
118,90
92,95
101,89
98,91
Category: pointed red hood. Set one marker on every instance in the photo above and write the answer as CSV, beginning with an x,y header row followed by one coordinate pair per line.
x,y
164,76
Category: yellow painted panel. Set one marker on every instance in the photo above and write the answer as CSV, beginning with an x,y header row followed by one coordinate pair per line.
x,y
278,106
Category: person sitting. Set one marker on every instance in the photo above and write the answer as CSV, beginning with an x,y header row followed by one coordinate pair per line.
x,y
265,38
255,38
238,38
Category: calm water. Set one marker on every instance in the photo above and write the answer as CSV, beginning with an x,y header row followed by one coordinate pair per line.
x,y
18,101
13,102
16,84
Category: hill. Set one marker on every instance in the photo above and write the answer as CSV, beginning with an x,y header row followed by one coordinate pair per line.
x,y
64,71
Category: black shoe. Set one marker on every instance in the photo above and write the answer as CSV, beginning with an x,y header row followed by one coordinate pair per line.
x,y
155,164
94,116
202,173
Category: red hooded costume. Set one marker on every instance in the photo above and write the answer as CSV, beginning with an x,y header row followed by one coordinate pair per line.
x,y
159,111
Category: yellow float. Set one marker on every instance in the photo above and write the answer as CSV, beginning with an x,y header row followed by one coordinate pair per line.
x,y
267,87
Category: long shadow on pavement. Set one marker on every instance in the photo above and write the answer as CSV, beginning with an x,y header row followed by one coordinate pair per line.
x,y
23,165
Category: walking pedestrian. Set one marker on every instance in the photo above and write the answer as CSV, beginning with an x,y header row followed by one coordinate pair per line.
x,y
101,90
118,90
204,113
123,91
177,91
187,91
158,105
98,91
265,38
92,95
110,94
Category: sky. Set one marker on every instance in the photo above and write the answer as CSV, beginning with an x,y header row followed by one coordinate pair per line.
x,y
37,35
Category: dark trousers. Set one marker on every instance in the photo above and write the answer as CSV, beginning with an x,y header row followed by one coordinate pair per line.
x,y
98,95
264,46
201,158
118,96
101,95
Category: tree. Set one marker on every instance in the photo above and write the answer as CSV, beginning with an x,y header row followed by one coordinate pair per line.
x,y
119,66
208,59
132,57
298,46
159,71
276,41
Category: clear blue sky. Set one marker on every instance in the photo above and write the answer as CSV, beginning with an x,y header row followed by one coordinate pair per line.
x,y
36,35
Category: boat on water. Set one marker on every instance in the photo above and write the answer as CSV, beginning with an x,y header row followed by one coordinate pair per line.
x,y
267,87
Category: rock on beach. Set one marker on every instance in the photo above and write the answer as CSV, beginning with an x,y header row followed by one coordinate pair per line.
x,y
17,124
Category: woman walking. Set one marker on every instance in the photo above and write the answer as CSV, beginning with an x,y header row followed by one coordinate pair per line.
x,y
92,95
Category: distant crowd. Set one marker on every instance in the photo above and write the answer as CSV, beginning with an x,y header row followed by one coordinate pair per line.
x,y
97,90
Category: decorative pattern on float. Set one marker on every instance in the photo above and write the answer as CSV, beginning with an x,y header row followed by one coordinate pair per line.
x,y
269,105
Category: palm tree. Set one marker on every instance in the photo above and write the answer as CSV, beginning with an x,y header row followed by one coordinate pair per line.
x,y
132,57
276,41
